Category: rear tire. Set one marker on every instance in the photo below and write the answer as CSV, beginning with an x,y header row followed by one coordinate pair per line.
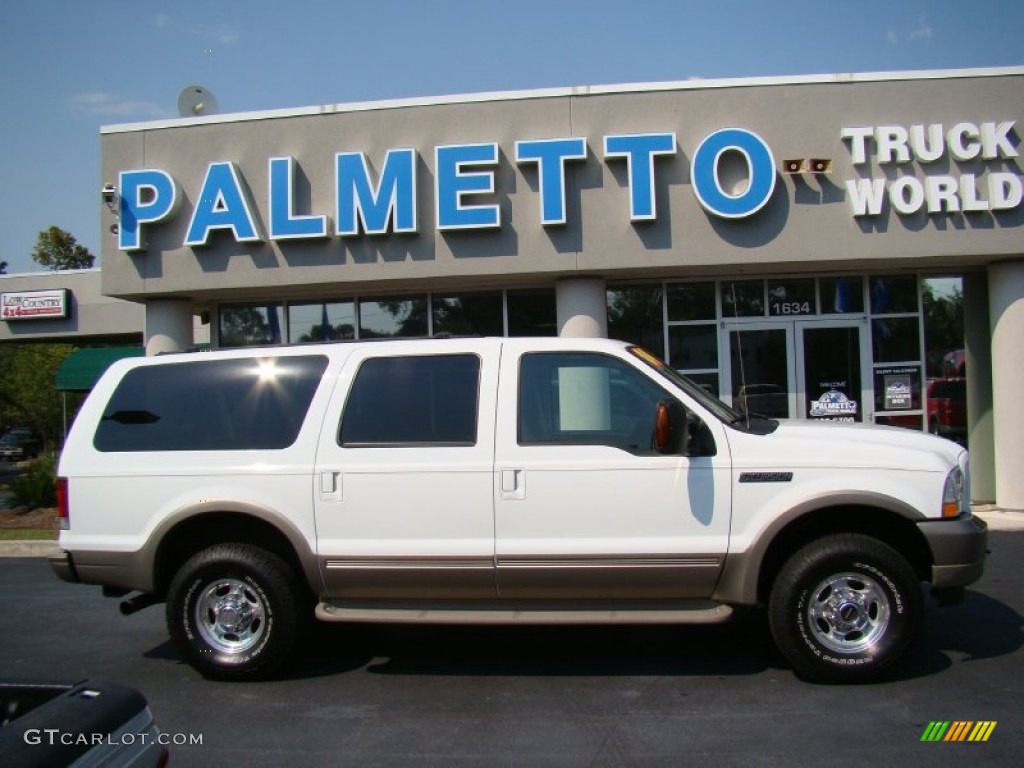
x,y
232,611
845,608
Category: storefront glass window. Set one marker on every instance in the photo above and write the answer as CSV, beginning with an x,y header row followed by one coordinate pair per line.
x,y
635,315
392,317
707,381
742,298
693,347
898,388
908,421
790,298
893,295
532,312
467,314
250,325
943,301
691,301
945,365
322,321
841,295
896,339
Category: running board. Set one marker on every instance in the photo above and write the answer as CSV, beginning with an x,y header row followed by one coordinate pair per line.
x,y
700,613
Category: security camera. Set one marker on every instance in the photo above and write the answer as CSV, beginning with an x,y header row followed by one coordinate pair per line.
x,y
109,194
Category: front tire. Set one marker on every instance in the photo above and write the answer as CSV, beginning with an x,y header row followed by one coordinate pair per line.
x,y
232,611
845,608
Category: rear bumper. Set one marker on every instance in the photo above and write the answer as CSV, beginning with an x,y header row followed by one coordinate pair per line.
x,y
126,570
958,550
64,566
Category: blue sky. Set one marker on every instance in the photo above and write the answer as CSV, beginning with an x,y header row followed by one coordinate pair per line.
x,y
69,67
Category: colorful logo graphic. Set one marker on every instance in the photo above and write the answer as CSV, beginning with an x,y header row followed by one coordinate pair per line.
x,y
833,403
958,730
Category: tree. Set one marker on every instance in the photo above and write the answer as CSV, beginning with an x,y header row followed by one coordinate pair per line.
x,y
58,250
3,267
27,395
943,325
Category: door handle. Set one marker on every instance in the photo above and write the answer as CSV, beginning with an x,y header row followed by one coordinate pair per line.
x,y
330,486
513,484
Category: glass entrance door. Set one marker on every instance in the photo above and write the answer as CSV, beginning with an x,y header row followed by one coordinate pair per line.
x,y
761,374
831,371
797,369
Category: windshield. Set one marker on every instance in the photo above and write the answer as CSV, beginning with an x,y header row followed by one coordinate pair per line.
x,y
724,413
721,411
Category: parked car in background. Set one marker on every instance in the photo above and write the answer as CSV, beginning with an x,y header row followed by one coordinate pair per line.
x,y
18,444
954,364
947,408
764,400
83,723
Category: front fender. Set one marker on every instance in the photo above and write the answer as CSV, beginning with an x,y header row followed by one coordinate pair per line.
x,y
739,580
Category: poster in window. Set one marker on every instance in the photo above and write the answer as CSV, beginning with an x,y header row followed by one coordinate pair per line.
x,y
898,392
833,403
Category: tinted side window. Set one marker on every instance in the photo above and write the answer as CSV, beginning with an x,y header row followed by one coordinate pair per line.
x,y
415,400
583,398
211,405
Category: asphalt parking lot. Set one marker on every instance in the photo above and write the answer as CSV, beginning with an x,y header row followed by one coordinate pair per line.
x,y
393,696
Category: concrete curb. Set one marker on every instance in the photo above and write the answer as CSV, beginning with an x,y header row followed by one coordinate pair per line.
x,y
41,548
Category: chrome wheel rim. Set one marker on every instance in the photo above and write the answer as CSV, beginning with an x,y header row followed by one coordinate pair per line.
x,y
230,616
848,613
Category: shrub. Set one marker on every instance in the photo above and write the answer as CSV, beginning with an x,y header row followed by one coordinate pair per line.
x,y
36,486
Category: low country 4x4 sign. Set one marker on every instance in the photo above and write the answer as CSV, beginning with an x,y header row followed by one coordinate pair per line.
x,y
34,305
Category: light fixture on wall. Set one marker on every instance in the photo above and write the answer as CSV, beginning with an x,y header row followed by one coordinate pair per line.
x,y
791,167
821,165
109,195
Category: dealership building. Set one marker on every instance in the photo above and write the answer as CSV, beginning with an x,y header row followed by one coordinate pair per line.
x,y
769,237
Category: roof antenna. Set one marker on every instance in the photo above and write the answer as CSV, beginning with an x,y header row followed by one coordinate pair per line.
x,y
195,101
739,350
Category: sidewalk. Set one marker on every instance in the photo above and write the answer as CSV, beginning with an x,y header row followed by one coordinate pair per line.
x,y
999,519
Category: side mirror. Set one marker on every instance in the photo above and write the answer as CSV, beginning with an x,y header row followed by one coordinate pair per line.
x,y
670,428
678,432
662,428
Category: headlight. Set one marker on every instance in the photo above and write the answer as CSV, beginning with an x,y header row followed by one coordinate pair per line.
x,y
953,494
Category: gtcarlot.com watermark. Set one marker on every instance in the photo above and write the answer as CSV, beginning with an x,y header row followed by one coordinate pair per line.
x,y
54,736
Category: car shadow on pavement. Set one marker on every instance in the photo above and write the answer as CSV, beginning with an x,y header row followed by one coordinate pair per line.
x,y
980,628
742,647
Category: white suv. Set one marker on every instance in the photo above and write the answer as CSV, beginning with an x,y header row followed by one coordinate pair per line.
x,y
497,480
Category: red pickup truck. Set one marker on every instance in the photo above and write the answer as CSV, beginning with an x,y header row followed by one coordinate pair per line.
x,y
947,408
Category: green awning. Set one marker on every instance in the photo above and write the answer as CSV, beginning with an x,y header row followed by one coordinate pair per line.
x,y
83,367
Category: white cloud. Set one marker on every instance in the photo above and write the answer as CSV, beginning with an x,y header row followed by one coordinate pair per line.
x,y
217,33
220,33
922,30
102,104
